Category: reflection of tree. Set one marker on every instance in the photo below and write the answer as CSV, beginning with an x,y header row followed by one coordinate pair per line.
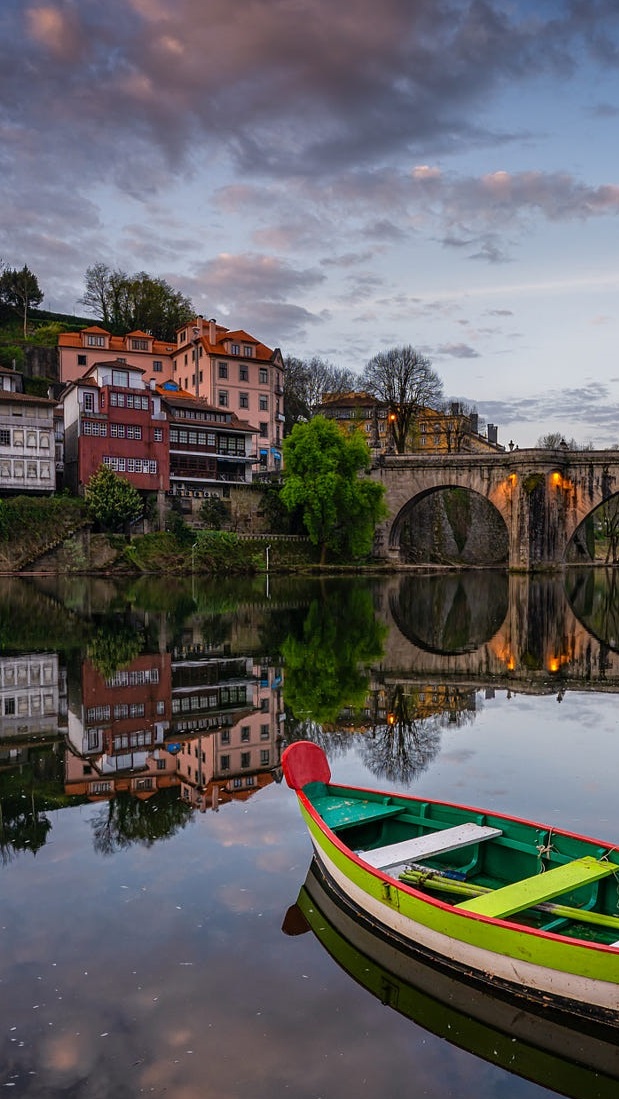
x,y
326,666
594,596
22,827
406,744
113,644
126,820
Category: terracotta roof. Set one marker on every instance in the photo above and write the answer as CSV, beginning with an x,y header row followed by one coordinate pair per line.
x,y
239,335
116,343
21,398
181,398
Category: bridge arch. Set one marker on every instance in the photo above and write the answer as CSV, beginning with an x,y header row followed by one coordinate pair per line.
x,y
450,524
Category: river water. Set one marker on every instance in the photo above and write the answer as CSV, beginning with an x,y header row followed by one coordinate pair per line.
x,y
150,852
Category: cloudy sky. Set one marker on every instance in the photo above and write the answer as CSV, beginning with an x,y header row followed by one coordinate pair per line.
x,y
338,177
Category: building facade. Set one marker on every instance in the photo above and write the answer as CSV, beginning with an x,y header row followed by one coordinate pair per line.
x,y
112,417
79,351
233,371
210,448
230,370
27,459
434,431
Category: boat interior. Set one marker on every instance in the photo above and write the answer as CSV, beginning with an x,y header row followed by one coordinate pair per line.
x,y
481,862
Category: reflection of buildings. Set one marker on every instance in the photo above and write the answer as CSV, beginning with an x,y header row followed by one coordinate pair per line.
x,y
209,724
394,703
226,714
116,731
32,695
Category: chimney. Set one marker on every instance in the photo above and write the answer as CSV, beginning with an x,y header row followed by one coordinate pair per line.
x,y
493,433
212,330
474,419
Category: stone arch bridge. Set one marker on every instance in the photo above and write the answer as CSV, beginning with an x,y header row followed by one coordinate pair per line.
x,y
542,496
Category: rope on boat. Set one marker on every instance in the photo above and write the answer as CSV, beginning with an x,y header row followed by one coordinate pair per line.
x,y
544,850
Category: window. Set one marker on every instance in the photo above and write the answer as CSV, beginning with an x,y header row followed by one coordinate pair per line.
x,y
245,759
225,736
264,705
264,404
133,431
9,707
223,398
120,377
158,434
210,438
139,345
264,430
5,437
247,350
93,427
243,400
81,360
157,366
89,402
95,341
222,370
235,348
245,731
264,757
264,732
117,464
243,373
263,376
224,763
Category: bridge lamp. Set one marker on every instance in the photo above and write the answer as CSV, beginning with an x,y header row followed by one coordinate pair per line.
x,y
556,479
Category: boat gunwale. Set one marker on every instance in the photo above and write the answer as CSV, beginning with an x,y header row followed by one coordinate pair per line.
x,y
436,902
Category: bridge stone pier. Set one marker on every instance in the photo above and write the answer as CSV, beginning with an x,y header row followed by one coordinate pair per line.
x,y
542,496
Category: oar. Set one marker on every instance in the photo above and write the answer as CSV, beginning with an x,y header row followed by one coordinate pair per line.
x,y
431,879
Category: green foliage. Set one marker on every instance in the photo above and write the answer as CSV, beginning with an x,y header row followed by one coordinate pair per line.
x,y
37,387
159,552
214,512
321,478
46,335
278,518
533,482
11,356
177,525
112,646
112,501
221,551
19,290
39,519
126,820
327,665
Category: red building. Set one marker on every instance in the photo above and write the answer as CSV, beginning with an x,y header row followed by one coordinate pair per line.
x,y
111,417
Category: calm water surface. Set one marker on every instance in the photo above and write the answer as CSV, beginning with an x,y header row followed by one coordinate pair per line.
x,y
150,851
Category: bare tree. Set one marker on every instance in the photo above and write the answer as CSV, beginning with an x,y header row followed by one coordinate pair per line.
x,y
404,380
306,381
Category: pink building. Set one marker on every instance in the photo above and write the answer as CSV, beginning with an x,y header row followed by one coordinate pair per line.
x,y
79,351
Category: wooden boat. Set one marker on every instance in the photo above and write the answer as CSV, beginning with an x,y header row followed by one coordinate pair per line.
x,y
501,1030
531,909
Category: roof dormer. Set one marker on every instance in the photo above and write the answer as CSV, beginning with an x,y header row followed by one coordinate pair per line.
x,y
95,337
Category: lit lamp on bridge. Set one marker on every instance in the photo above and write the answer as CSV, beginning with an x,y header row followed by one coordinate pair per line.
x,y
392,420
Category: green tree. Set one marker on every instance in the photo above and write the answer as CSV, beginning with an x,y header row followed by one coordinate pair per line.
x,y
126,303
403,379
112,501
19,290
321,477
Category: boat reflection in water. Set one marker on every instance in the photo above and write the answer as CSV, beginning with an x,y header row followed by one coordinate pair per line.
x,y
504,1032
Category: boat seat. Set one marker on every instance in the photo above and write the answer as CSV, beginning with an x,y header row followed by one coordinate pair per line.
x,y
432,843
345,812
519,895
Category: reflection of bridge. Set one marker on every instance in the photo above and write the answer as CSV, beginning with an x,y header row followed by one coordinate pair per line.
x,y
541,645
542,495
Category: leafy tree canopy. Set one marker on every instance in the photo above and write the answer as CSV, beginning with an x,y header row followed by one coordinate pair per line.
x,y
321,477
112,501
404,380
19,290
306,382
127,303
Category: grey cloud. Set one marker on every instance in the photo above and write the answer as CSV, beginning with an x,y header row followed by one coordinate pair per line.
x,y
229,278
457,351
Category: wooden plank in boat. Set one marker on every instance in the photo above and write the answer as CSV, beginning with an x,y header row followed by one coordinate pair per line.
x,y
433,843
541,887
